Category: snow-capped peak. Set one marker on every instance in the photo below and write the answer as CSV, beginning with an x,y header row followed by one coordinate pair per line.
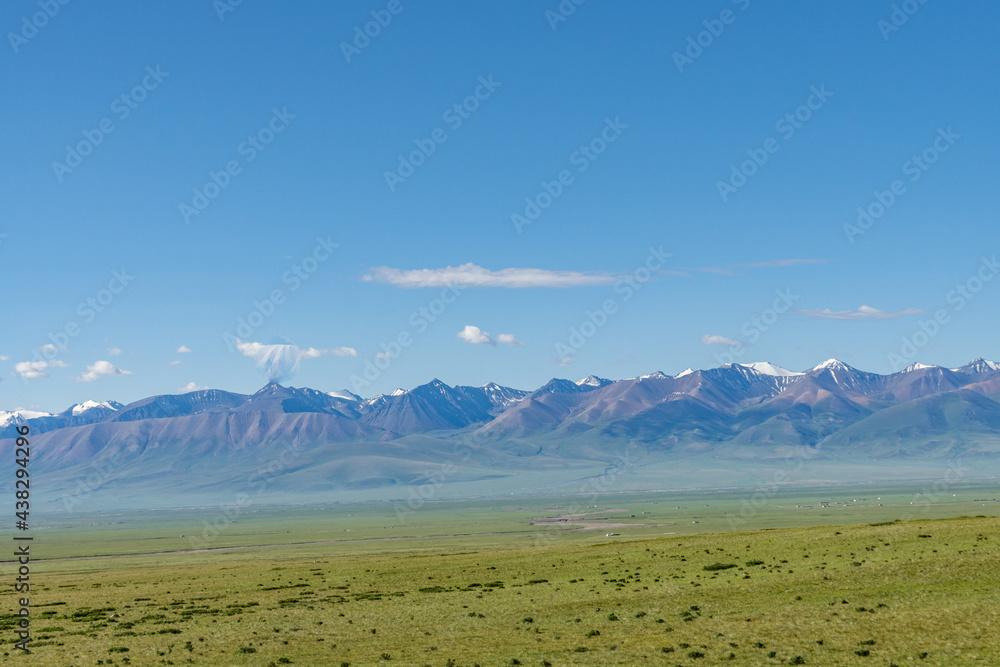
x,y
979,365
915,367
832,364
80,408
20,416
398,392
686,371
767,368
592,381
345,395
657,375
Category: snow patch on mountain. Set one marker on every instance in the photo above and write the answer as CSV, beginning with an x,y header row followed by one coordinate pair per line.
x,y
915,367
344,394
20,416
767,368
832,364
80,408
978,365
501,396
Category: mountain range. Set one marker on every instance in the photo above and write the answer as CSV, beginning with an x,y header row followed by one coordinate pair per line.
x,y
726,426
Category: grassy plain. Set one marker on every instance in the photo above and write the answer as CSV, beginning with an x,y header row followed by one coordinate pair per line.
x,y
791,577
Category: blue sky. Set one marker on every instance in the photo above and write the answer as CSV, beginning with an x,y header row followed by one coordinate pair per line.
x,y
202,94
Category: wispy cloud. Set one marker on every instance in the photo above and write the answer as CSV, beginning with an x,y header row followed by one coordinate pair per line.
x,y
737,269
509,340
175,362
862,313
100,369
29,370
190,386
712,339
470,275
4,357
114,351
182,349
476,336
281,360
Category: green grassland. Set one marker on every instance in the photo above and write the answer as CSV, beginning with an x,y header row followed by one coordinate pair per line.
x,y
831,576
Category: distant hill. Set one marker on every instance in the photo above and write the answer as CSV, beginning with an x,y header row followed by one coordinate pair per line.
x,y
718,427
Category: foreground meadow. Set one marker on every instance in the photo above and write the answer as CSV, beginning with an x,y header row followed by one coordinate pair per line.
x,y
921,592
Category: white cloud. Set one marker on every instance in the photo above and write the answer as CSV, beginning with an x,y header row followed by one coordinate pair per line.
x,y
31,369
509,340
862,313
568,360
313,353
182,349
114,351
476,336
4,357
175,362
48,348
280,360
99,369
190,386
470,275
712,339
